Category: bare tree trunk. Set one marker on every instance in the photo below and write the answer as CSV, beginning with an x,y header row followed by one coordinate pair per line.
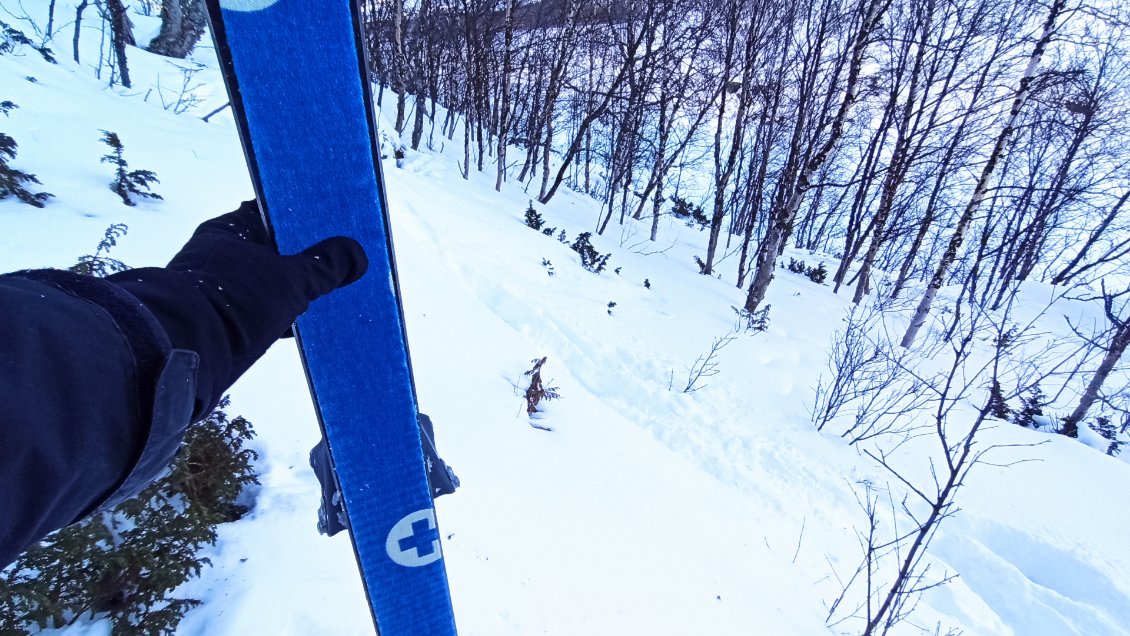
x,y
504,109
183,23
870,13
766,128
950,254
533,126
867,173
470,110
629,61
399,67
122,36
563,53
724,168
943,170
1031,236
467,147
78,26
901,160
423,73
1118,343
50,19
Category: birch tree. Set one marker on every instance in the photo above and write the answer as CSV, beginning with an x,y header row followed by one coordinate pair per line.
x,y
504,107
1116,346
869,13
948,257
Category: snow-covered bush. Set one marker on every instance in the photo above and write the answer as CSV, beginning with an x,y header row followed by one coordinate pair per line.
x,y
591,259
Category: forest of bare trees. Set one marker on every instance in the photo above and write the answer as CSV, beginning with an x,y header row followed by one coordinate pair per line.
x,y
939,155
929,142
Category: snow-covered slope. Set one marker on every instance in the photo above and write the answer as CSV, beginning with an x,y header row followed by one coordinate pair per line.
x,y
646,510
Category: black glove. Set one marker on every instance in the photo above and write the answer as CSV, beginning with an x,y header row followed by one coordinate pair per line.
x,y
228,295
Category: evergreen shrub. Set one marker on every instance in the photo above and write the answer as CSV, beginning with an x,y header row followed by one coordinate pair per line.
x,y
99,263
125,564
755,321
1108,431
591,259
127,183
13,183
12,38
1031,406
689,212
817,274
533,218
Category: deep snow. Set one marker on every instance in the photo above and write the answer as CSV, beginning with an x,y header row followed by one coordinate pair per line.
x,y
646,510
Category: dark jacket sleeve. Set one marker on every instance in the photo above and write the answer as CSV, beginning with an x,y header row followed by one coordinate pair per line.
x,y
94,401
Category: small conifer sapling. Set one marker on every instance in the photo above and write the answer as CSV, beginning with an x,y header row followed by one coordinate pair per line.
x,y
127,183
13,182
817,274
691,213
755,321
1031,407
591,259
1109,431
533,218
998,406
99,264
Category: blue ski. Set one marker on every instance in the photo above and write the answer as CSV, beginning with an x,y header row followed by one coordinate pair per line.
x,y
297,79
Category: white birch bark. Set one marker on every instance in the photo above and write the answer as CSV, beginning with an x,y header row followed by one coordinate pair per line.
x,y
950,255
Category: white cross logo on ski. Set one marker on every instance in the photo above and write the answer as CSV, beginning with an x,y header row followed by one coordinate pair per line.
x,y
414,540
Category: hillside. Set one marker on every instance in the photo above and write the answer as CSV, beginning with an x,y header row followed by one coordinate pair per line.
x,y
647,509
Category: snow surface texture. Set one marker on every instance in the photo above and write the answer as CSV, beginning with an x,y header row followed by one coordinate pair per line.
x,y
646,510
